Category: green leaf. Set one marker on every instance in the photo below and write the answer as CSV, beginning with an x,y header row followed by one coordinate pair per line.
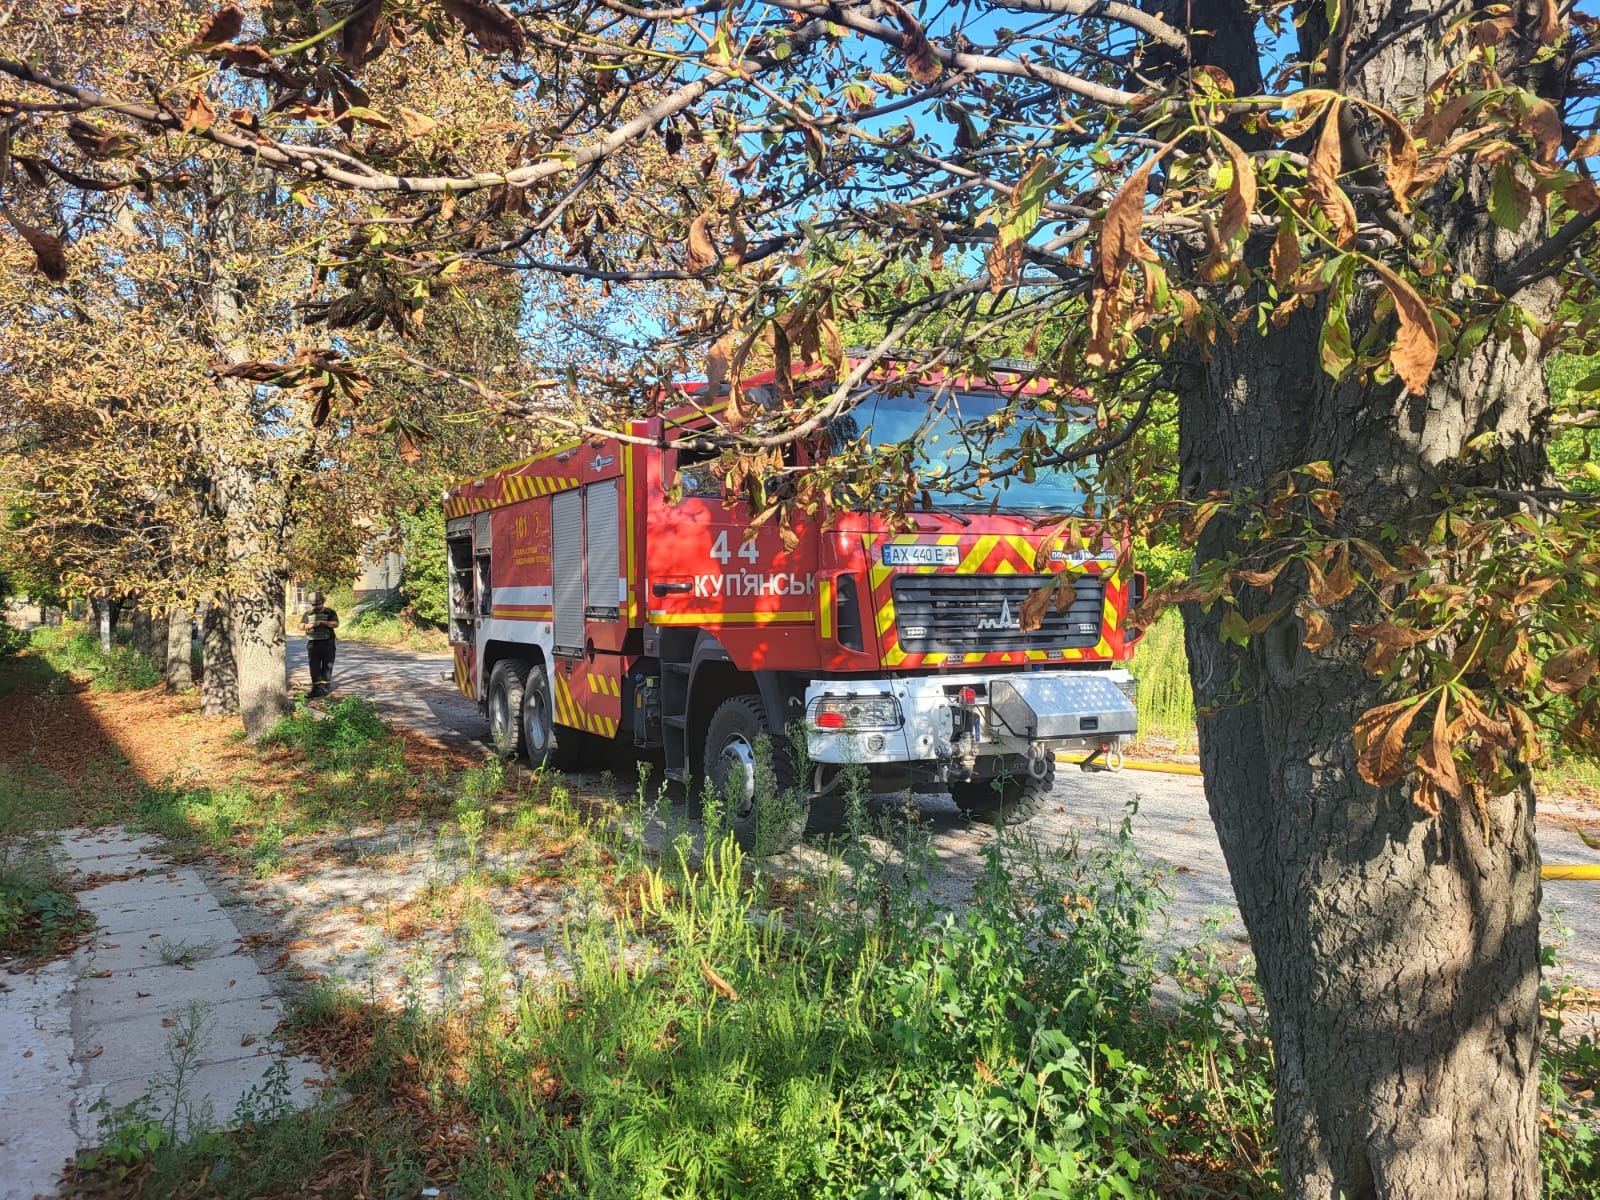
x,y
1337,350
1234,628
1507,205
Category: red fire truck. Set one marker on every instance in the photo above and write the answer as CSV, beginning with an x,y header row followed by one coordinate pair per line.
x,y
608,598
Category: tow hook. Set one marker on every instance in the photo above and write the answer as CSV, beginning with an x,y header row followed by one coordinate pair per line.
x,y
1038,761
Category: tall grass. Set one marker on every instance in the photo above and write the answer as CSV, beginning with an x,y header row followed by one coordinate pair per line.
x,y
73,650
1166,703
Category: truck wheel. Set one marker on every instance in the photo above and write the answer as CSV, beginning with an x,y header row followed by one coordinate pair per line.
x,y
1008,800
762,823
548,745
506,685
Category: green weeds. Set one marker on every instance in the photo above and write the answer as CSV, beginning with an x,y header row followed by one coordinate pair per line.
x,y
1166,700
73,650
39,916
714,1028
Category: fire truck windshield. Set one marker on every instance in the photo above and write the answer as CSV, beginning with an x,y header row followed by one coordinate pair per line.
x,y
954,438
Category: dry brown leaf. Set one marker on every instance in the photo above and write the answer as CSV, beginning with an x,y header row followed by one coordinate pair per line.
x,y
702,250
1120,233
1031,613
1319,631
1120,244
1583,197
417,124
48,250
717,359
1550,22
1381,737
920,60
495,29
199,115
359,41
246,54
1416,344
1241,199
1322,179
1261,578
718,984
1532,590
1435,760
1437,124
1285,257
1400,155
1003,261
221,26
1570,671
1544,123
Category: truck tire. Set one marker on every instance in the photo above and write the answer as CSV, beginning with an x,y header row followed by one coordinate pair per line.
x,y
506,685
762,824
547,744
1007,800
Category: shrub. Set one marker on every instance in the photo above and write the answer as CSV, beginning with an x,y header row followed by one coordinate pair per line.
x,y
348,726
869,1045
13,641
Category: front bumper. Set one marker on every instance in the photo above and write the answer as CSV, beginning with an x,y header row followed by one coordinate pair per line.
x,y
1010,714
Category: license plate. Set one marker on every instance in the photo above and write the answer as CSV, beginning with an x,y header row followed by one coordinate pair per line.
x,y
921,556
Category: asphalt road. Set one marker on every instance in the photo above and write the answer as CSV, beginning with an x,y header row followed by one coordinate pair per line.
x,y
1171,826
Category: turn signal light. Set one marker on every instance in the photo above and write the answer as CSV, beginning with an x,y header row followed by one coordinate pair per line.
x,y
830,719
968,695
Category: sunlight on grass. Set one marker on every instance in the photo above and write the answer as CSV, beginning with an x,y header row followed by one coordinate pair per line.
x,y
1166,703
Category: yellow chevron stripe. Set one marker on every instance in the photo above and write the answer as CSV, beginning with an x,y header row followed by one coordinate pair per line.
x,y
564,706
885,617
825,607
978,553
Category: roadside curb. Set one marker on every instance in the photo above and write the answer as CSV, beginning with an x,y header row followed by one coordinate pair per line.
x,y
1134,764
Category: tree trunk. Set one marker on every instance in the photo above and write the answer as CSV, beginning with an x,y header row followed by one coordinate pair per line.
x,y
219,678
1398,954
139,631
104,620
258,650
157,653
180,670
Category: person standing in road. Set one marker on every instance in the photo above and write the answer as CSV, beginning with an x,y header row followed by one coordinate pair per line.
x,y
318,625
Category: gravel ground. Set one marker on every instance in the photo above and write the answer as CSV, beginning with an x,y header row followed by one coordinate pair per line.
x,y
1171,828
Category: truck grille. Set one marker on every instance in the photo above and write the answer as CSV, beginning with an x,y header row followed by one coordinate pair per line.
x,y
970,613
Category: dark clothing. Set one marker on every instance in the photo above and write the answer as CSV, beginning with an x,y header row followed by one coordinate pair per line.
x,y
321,633
320,654
321,645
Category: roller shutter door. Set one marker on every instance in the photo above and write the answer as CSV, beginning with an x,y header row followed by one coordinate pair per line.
x,y
566,561
603,565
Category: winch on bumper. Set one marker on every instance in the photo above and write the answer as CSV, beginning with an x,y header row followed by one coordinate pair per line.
x,y
948,728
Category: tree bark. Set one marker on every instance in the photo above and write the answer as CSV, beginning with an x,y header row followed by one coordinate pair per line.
x,y
250,495
1398,954
139,631
258,650
219,678
104,619
180,670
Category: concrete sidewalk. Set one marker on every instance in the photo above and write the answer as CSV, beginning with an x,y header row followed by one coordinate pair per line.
x,y
162,982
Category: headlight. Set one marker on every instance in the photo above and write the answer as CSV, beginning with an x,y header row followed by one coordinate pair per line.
x,y
855,712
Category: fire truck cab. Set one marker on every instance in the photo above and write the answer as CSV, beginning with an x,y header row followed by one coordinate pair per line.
x,y
612,597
